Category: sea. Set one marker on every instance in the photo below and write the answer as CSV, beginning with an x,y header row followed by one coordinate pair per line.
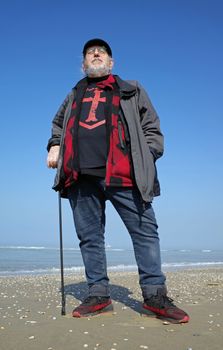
x,y
37,260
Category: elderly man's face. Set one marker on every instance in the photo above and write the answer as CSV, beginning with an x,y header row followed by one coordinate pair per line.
x,y
97,62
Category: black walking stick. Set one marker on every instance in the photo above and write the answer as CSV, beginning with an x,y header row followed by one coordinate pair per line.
x,y
63,312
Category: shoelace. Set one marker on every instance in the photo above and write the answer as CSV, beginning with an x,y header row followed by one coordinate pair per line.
x,y
167,301
89,299
161,301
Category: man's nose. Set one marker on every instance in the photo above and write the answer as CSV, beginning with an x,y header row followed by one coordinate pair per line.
x,y
96,51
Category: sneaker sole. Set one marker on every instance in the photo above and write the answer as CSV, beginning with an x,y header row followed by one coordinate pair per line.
x,y
106,309
150,313
172,320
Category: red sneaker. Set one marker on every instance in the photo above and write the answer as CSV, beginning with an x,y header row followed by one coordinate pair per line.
x,y
164,308
93,305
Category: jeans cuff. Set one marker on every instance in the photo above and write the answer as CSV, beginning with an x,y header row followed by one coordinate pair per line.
x,y
99,290
148,290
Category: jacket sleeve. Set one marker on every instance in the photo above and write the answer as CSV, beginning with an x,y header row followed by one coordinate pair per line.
x,y
150,124
57,125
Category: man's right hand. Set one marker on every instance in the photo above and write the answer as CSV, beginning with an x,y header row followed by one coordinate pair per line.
x,y
53,156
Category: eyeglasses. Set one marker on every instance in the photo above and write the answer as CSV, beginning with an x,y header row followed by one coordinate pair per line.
x,y
100,49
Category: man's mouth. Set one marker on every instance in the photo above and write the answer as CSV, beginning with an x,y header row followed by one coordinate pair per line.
x,y
96,59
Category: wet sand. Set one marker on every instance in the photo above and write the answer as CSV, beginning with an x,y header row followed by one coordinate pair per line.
x,y
30,314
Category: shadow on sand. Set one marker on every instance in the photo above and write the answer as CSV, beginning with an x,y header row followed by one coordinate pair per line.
x,y
118,293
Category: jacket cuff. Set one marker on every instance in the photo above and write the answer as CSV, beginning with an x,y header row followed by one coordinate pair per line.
x,y
52,143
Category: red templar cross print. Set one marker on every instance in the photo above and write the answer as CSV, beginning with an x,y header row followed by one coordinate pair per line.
x,y
94,105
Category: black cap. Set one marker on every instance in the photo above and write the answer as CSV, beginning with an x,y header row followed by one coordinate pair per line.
x,y
97,42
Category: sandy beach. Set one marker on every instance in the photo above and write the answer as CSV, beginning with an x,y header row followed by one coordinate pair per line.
x,y
30,314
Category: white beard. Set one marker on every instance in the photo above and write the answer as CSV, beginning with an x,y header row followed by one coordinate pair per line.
x,y
98,71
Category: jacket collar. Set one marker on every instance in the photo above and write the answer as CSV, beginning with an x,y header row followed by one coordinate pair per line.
x,y
81,84
126,89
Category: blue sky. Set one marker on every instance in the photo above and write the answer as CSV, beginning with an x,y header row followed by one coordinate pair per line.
x,y
174,48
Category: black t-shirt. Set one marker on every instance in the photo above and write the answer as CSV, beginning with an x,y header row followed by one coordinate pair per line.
x,y
92,142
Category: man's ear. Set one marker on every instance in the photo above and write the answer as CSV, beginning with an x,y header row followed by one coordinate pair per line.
x,y
111,63
83,67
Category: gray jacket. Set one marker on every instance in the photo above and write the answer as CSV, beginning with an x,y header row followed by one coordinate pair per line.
x,y
146,139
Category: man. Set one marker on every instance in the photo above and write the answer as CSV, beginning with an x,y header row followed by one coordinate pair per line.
x,y
105,141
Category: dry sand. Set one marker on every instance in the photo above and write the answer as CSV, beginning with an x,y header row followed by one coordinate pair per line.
x,y
30,314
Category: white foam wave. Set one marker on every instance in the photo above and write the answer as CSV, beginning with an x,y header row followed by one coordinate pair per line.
x,y
55,248
23,247
191,264
115,268
53,270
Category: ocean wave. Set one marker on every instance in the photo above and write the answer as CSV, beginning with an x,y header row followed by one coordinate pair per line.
x,y
113,268
67,270
57,248
23,247
192,264
47,271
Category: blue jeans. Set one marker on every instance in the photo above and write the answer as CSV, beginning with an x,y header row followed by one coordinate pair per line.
x,y
87,199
